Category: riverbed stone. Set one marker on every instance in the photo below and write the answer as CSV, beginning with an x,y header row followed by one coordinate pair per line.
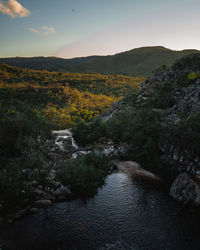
x,y
21,213
34,210
43,203
62,191
47,196
186,189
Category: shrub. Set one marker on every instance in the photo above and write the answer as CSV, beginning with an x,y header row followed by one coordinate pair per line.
x,y
141,129
86,133
20,127
14,192
18,121
85,174
186,136
162,97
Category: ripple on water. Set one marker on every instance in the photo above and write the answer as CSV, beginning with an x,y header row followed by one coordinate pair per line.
x,y
125,214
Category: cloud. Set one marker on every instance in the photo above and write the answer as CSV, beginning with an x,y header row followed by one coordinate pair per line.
x,y
44,30
33,30
13,9
48,29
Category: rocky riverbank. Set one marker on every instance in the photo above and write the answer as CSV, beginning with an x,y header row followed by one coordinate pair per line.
x,y
61,149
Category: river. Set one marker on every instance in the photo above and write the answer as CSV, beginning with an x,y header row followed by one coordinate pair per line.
x,y
125,214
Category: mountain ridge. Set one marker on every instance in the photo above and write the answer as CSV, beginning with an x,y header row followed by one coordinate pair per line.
x,y
135,62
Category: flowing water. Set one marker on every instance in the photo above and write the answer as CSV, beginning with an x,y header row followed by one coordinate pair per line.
x,y
125,214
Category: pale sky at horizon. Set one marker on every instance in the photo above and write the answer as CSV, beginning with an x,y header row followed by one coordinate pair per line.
x,y
75,28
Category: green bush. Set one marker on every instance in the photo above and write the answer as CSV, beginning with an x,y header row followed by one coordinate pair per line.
x,y
186,136
85,174
141,129
20,127
162,97
16,189
86,133
14,193
17,122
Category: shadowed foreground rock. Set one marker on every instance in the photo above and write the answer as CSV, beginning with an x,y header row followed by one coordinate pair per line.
x,y
186,189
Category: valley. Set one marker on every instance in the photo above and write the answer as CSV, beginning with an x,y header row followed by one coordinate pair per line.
x,y
64,137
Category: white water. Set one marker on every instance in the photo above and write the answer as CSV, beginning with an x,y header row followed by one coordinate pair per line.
x,y
63,135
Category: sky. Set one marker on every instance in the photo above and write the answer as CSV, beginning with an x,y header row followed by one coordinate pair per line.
x,y
76,28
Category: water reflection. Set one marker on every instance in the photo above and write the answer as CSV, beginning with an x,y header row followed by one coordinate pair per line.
x,y
125,214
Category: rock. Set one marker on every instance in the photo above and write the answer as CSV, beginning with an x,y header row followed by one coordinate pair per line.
x,y
114,155
197,81
48,196
109,150
110,142
28,173
43,203
133,168
61,198
62,191
123,150
34,210
186,189
21,213
52,174
57,184
44,195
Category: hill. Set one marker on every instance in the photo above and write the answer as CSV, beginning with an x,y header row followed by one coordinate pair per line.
x,y
65,98
137,62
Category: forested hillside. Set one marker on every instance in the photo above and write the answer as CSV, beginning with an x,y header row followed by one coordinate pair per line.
x,y
65,98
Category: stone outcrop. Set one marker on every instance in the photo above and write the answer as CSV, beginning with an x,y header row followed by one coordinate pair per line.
x,y
186,189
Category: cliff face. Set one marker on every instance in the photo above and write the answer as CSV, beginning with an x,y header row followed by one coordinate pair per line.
x,y
181,122
181,113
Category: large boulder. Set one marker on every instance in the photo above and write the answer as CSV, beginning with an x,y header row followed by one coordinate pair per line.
x,y
186,189
62,193
135,171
